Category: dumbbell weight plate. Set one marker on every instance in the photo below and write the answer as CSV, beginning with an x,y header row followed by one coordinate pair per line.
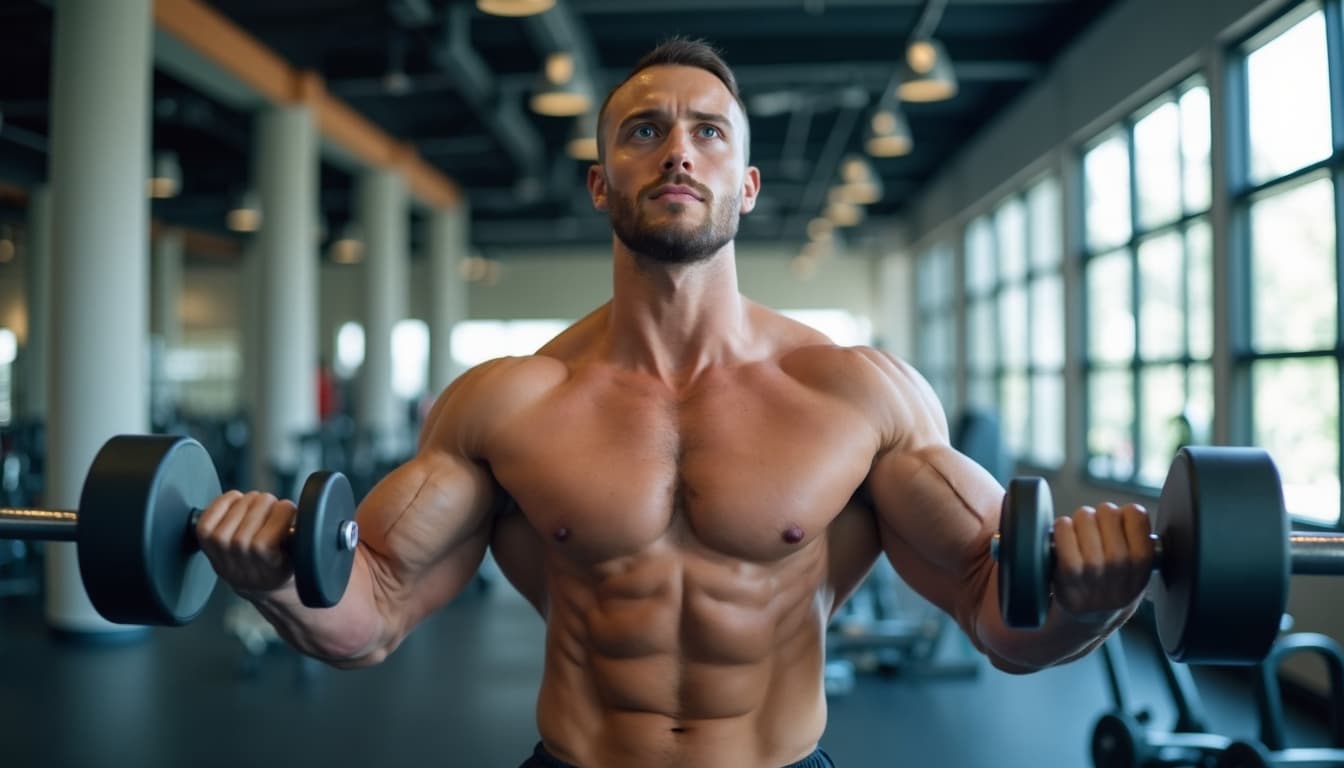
x,y
321,566
138,557
1223,583
1026,560
1119,741
1243,754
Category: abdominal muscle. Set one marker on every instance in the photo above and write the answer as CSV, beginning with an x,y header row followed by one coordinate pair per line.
x,y
674,658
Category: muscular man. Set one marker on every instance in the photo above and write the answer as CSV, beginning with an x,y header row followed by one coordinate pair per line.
x,y
684,484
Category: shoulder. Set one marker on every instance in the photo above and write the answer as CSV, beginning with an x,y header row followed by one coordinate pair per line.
x,y
475,403
892,394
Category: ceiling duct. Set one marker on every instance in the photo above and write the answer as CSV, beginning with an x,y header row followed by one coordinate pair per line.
x,y
479,87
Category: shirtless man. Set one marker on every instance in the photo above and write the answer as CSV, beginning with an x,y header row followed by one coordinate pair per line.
x,y
684,484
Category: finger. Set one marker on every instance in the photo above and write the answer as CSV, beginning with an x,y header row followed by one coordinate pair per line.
x,y
215,512
1137,528
1068,557
275,529
245,537
1089,540
228,528
1114,544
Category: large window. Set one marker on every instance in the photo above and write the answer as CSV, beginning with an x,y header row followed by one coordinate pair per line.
x,y
1148,281
1286,187
935,307
1015,321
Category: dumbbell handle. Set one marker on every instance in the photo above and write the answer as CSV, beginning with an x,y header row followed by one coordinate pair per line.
x,y
1318,554
31,524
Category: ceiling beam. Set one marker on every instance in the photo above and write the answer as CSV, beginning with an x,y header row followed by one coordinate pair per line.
x,y
815,7
237,54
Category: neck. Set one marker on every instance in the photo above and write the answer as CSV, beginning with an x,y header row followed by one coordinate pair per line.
x,y
676,320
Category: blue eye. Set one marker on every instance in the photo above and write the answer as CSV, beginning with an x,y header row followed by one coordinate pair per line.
x,y
710,132
643,131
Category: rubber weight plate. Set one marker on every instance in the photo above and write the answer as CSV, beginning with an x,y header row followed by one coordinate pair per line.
x,y
1026,559
137,552
322,563
1223,583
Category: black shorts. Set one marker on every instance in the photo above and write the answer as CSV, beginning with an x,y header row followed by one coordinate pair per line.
x,y
542,759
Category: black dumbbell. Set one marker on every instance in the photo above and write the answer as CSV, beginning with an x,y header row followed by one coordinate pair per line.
x,y
135,531
1224,555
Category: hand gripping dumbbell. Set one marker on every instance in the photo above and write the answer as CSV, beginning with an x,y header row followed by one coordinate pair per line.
x,y
1223,555
135,531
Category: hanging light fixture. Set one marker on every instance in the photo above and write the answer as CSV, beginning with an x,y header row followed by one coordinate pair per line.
x,y
560,91
166,179
8,248
859,183
927,73
888,134
245,215
348,247
514,7
583,138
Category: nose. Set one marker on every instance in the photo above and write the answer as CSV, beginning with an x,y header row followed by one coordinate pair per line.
x,y
677,157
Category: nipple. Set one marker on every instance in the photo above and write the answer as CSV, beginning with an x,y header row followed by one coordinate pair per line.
x,y
793,534
561,533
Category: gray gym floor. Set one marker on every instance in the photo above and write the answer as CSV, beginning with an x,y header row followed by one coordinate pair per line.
x,y
460,693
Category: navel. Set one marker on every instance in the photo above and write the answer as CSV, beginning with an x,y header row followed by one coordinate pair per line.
x,y
793,534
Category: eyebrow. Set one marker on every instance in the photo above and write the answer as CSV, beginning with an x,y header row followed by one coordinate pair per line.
x,y
645,114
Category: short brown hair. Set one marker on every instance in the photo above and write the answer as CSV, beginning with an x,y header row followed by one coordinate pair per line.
x,y
678,52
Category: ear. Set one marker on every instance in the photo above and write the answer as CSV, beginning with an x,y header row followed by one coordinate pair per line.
x,y
751,187
597,186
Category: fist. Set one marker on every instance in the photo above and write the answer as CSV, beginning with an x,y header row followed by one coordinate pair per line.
x,y
1103,559
245,537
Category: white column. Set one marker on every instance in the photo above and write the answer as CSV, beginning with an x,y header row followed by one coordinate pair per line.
x,y
164,323
249,334
287,165
100,266
448,242
383,216
38,271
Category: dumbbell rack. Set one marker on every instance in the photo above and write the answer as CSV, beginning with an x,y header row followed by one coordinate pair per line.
x,y
1122,737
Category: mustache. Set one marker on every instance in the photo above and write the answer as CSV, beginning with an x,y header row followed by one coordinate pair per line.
x,y
679,179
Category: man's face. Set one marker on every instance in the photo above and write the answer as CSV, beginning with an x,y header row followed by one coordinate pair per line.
x,y
674,179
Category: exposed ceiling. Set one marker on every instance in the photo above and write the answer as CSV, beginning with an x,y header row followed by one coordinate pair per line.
x,y
811,72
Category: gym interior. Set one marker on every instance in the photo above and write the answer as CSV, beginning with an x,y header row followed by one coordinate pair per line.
x,y
1103,231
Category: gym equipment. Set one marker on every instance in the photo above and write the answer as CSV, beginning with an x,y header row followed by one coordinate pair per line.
x,y
1273,749
1224,554
135,531
1124,737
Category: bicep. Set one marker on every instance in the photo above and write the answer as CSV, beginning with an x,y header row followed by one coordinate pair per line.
x,y
937,512
424,528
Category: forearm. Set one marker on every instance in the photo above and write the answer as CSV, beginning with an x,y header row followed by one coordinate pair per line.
x,y
353,633
1063,637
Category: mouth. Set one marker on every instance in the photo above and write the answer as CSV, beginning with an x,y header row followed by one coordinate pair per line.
x,y
676,193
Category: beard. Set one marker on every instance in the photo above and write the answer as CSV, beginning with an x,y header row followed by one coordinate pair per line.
x,y
674,242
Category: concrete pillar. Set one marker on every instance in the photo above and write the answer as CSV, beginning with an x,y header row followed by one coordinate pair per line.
x,y
383,216
37,269
287,165
249,338
448,244
100,266
164,323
